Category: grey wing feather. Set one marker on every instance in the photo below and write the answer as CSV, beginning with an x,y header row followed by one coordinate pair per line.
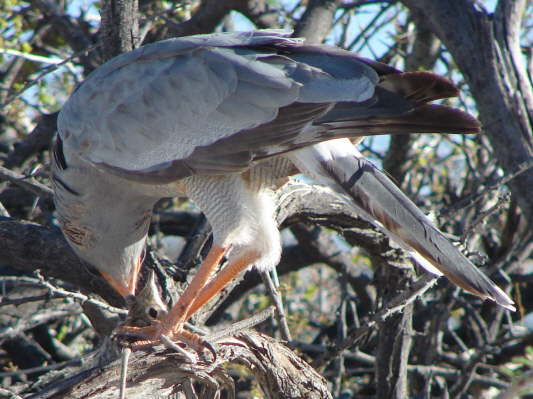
x,y
215,104
160,103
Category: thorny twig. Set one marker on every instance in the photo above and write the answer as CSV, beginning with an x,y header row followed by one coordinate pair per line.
x,y
55,292
471,199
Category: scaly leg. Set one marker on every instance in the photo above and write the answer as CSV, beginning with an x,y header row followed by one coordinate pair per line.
x,y
227,274
197,294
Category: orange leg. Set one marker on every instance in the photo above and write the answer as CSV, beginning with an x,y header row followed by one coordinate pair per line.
x,y
222,279
195,296
178,315
172,323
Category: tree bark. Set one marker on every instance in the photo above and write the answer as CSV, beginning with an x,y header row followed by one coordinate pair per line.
x,y
120,27
280,373
316,21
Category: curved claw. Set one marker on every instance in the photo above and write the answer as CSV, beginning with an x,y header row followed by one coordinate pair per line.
x,y
172,345
153,335
211,349
195,341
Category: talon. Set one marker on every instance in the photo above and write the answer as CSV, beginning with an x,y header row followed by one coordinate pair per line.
x,y
211,349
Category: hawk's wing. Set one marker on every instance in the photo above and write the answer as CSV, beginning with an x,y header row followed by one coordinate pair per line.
x,y
159,103
214,104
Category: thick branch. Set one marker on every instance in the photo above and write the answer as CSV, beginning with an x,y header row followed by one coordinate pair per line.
x,y
316,21
261,13
38,140
28,247
161,372
206,18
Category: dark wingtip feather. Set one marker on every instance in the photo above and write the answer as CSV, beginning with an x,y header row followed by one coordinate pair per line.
x,y
419,87
427,118
442,118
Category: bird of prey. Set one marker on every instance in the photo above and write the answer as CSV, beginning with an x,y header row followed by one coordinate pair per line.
x,y
224,119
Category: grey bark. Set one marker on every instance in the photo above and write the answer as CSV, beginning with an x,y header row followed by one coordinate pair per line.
x,y
210,13
38,140
394,337
119,30
395,334
316,21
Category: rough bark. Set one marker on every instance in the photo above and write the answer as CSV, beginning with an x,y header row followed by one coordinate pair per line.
x,y
210,13
395,334
162,372
119,30
29,247
37,141
394,337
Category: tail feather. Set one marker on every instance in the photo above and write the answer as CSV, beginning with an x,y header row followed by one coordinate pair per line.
x,y
339,165
399,106
424,119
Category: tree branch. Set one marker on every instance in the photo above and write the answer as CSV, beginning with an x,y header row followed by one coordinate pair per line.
x,y
119,31
279,372
316,21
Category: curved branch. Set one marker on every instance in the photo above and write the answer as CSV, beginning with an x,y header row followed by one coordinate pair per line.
x,y
28,247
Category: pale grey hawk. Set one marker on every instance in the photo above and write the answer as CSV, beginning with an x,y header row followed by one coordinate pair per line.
x,y
224,119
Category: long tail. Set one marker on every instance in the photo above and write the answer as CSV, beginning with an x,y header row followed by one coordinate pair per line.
x,y
400,105
339,165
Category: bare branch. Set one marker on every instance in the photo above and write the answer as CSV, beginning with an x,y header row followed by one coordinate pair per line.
x,y
27,183
36,141
316,21
485,50
119,31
